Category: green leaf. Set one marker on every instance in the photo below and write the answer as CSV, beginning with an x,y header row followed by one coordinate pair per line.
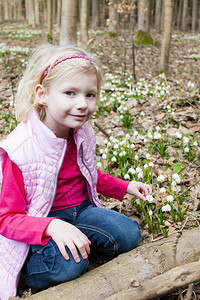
x,y
177,167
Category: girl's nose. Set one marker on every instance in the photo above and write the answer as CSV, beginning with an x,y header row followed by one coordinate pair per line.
x,y
81,103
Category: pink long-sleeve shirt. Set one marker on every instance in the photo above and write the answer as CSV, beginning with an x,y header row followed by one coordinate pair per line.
x,y
71,191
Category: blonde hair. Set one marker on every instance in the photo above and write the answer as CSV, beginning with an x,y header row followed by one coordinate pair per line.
x,y
45,56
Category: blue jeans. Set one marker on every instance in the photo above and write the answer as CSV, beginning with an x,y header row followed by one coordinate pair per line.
x,y
110,233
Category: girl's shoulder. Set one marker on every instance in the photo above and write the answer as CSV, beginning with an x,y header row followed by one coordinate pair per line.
x,y
15,139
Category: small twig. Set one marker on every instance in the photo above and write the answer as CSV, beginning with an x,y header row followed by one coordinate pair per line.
x,y
189,293
101,129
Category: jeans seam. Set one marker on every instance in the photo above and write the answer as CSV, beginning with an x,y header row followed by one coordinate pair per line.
x,y
106,234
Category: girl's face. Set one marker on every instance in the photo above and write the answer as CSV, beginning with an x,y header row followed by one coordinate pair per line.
x,y
69,102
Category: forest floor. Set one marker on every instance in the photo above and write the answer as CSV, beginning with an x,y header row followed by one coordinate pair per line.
x,y
163,130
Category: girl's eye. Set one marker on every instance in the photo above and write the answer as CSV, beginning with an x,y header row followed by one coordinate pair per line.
x,y
69,93
91,95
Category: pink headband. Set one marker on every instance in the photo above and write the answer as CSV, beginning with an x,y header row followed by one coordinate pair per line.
x,y
63,59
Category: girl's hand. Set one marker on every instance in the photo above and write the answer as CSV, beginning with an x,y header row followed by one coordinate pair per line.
x,y
139,190
65,234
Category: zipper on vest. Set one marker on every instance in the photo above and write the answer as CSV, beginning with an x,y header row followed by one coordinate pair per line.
x,y
62,158
89,172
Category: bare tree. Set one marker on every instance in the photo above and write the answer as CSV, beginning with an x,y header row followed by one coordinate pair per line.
x,y
165,47
95,13
50,21
68,22
184,16
112,16
158,15
143,17
84,21
194,14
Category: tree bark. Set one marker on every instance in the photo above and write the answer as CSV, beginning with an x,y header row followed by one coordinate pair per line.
x,y
184,16
50,21
158,15
95,13
165,47
68,23
163,284
84,21
143,18
194,14
131,268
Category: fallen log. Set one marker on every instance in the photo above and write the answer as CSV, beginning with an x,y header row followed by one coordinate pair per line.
x,y
134,267
163,284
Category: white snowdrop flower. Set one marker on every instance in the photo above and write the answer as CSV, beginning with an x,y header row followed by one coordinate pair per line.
x,y
162,92
126,176
113,159
109,144
151,164
116,146
99,165
131,170
157,135
106,150
106,141
176,178
149,198
173,113
140,175
195,143
185,140
0,106
170,198
136,157
186,149
132,146
104,156
149,134
138,170
157,128
114,153
178,135
145,166
127,136
166,207
148,156
174,183
135,133
150,213
145,141
161,178
101,151
168,107
163,190
121,116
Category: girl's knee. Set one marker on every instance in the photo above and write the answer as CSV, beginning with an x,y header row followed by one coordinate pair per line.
x,y
129,237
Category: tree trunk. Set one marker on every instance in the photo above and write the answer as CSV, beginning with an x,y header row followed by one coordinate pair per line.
x,y
163,284
49,21
158,15
194,14
143,18
31,14
59,9
37,13
95,13
112,17
184,16
165,47
84,21
129,269
68,22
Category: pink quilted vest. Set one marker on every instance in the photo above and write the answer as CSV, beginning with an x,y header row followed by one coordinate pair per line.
x,y
39,157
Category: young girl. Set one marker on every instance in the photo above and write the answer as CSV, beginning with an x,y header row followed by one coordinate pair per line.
x,y
51,220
